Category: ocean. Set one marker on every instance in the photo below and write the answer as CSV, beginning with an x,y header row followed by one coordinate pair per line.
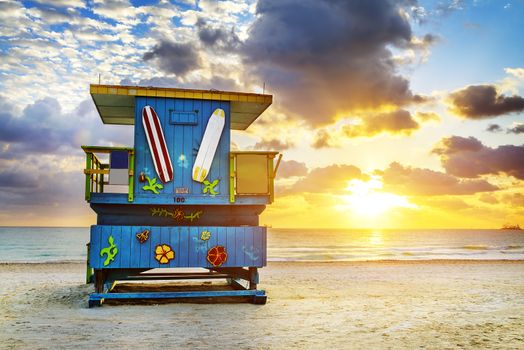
x,y
62,244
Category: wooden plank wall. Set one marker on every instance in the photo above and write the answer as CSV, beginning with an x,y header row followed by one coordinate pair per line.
x,y
246,246
181,139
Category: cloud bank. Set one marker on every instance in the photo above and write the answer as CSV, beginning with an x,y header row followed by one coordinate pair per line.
x,y
483,101
328,57
469,158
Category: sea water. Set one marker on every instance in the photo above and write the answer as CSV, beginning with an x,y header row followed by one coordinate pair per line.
x,y
61,244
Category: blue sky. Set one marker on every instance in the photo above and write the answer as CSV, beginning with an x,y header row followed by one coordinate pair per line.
x,y
401,91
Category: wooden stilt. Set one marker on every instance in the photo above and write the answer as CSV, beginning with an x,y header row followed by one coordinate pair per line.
x,y
99,280
253,278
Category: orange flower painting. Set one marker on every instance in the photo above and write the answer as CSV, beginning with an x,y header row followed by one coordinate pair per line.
x,y
164,253
217,255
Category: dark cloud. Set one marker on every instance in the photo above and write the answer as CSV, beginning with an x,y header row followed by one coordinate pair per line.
x,y
39,129
11,178
468,157
483,101
41,160
494,128
217,37
43,128
330,179
326,57
456,144
175,58
396,122
425,182
289,168
273,144
517,129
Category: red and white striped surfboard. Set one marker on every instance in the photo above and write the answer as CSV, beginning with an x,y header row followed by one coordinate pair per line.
x,y
157,144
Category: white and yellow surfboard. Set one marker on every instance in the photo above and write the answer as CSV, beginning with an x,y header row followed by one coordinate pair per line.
x,y
209,145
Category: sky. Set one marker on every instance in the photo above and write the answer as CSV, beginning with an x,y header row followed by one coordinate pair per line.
x,y
390,114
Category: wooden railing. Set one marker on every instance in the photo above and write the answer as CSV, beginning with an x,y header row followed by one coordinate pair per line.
x,y
252,173
95,170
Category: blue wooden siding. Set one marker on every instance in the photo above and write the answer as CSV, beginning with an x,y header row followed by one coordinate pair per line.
x,y
245,246
183,138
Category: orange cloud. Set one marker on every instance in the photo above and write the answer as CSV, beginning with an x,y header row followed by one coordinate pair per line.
x,y
426,182
330,179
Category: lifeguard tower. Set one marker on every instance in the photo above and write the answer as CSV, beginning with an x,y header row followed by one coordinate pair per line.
x,y
188,201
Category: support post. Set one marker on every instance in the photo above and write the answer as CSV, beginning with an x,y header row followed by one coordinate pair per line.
x,y
253,278
131,189
89,160
99,280
231,178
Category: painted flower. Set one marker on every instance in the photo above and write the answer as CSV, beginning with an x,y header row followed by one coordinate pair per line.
x,y
164,253
205,235
217,255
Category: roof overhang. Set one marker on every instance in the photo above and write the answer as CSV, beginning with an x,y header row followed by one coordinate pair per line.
x,y
116,103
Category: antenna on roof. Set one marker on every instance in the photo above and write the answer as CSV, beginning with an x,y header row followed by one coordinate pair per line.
x,y
264,88
98,78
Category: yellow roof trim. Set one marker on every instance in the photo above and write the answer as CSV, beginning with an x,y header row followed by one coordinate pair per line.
x,y
116,103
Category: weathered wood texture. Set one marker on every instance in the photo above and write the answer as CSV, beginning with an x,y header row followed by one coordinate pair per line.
x,y
183,137
245,246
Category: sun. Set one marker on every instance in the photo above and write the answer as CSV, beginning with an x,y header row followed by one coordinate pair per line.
x,y
367,199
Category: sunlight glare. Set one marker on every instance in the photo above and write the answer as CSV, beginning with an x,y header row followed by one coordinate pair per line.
x,y
367,199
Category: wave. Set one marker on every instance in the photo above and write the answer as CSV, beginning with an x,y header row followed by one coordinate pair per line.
x,y
475,247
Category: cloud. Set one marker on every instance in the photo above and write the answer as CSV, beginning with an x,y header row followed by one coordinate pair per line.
x,y
175,58
517,129
43,128
333,54
290,168
425,182
427,116
483,101
331,179
468,157
494,128
214,83
63,3
322,139
273,144
217,37
488,198
514,199
396,122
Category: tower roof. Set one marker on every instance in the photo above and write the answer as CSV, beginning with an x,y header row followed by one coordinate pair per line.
x,y
116,103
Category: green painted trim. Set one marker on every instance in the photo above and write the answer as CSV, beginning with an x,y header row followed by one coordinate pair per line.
x,y
89,270
89,161
131,188
232,178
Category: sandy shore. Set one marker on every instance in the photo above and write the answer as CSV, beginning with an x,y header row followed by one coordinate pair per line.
x,y
373,305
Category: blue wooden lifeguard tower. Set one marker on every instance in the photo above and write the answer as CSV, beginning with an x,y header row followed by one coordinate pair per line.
x,y
144,223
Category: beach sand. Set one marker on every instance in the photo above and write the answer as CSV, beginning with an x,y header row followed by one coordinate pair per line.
x,y
340,305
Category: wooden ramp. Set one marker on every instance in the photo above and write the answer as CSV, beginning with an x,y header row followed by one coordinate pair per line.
x,y
180,287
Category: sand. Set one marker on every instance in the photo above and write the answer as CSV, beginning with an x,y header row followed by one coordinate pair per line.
x,y
369,305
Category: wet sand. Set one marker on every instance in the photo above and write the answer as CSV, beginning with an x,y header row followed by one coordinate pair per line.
x,y
339,305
